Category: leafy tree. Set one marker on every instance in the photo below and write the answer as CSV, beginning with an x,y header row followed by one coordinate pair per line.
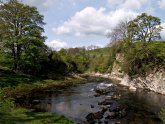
x,y
78,59
21,28
144,28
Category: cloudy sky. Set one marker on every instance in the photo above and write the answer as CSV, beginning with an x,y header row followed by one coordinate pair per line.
x,y
76,23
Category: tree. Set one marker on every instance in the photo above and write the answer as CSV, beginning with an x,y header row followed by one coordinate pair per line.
x,y
144,28
21,28
119,33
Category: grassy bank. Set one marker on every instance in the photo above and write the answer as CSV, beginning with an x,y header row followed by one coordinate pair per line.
x,y
26,89
11,114
18,84
25,116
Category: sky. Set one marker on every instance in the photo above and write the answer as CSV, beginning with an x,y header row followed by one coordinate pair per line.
x,y
78,23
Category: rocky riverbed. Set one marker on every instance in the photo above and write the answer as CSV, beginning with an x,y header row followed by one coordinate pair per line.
x,y
106,102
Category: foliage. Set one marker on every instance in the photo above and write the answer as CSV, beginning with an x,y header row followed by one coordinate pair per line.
x,y
21,34
54,64
5,60
140,59
82,61
144,28
101,60
77,59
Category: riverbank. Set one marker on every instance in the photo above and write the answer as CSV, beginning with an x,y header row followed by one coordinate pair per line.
x,y
154,81
32,117
24,90
85,102
14,113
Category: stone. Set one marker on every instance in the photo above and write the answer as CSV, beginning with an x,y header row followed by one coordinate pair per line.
x,y
111,115
94,116
97,95
104,110
118,122
132,88
115,97
105,102
92,106
100,122
105,122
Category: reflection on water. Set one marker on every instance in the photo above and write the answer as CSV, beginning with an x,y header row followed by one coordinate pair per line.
x,y
77,102
152,101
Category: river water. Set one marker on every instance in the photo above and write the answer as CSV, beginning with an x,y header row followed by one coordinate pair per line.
x,y
141,106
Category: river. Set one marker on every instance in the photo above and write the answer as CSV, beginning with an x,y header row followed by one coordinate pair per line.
x,y
117,104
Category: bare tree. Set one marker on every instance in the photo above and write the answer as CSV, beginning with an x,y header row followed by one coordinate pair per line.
x,y
119,33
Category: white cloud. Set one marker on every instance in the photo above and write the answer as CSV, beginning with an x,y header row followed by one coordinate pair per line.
x,y
133,4
91,21
163,31
56,44
161,4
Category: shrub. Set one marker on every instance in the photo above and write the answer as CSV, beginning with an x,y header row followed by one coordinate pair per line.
x,y
141,58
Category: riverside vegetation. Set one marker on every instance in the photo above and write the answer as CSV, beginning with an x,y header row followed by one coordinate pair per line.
x,y
27,64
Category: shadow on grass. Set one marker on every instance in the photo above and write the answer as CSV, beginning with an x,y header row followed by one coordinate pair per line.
x,y
10,78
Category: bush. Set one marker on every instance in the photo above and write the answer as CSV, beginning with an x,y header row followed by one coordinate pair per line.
x,y
141,58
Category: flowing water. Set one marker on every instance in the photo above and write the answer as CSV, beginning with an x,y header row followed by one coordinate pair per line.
x,y
141,106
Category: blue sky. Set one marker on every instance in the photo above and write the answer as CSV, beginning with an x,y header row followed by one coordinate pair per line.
x,y
77,23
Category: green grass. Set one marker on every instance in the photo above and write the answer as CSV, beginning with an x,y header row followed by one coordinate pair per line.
x,y
16,84
8,78
26,89
10,114
25,116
